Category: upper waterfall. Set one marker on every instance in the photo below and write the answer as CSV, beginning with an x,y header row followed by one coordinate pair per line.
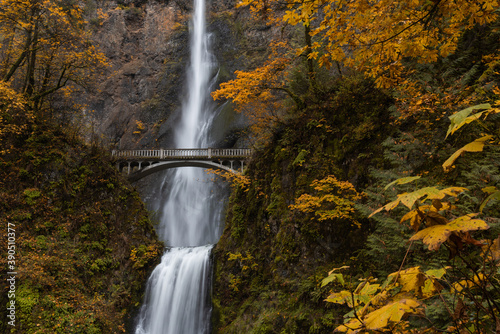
x,y
192,132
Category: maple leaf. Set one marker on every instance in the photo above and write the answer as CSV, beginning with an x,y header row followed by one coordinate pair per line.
x,y
402,180
391,313
475,146
462,117
411,279
333,276
427,193
434,236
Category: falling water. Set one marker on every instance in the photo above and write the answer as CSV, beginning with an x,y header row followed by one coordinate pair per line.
x,y
189,210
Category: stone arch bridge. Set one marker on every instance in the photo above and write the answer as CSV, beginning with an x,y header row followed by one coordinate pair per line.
x,y
140,163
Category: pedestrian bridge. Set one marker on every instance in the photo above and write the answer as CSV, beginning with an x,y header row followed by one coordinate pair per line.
x,y
140,163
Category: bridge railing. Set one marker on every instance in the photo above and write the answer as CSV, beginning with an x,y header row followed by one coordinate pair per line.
x,y
188,153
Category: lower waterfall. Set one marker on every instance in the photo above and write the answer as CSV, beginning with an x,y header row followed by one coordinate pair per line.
x,y
177,294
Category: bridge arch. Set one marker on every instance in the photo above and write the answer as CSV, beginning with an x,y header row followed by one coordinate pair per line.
x,y
140,163
155,167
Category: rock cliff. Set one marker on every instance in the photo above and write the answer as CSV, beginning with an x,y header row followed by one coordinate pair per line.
x,y
137,102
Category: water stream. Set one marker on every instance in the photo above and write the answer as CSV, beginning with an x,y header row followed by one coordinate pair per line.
x,y
177,293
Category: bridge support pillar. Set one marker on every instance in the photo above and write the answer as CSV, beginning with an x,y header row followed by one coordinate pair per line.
x,y
128,168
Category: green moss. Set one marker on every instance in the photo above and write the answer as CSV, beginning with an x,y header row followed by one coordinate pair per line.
x,y
300,159
31,195
237,222
293,251
77,221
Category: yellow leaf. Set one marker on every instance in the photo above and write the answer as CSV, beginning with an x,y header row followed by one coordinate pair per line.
x,y
351,327
390,313
461,118
403,180
451,191
431,288
335,269
491,251
476,146
411,279
434,236
409,199
413,215
342,297
468,284
489,190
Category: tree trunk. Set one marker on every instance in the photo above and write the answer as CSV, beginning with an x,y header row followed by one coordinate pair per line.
x,y
30,72
310,62
20,59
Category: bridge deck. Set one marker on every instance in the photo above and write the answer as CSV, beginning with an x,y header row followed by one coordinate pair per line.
x,y
184,154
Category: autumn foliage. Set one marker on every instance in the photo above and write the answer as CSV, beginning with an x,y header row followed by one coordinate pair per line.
x,y
466,288
45,48
430,261
84,244
388,41
259,93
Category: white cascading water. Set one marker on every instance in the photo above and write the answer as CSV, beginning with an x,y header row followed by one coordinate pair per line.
x,y
177,293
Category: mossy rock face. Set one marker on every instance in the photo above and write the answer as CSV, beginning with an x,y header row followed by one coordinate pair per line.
x,y
84,243
270,260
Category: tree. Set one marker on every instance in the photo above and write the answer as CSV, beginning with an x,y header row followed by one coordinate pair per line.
x,y
389,41
45,48
14,118
257,93
378,37
462,295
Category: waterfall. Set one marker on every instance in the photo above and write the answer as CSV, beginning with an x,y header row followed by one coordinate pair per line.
x,y
190,212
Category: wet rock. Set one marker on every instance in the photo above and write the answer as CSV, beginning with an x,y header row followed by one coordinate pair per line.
x,y
147,43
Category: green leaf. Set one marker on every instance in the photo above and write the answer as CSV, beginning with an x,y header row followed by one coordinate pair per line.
x,y
436,273
403,180
495,196
461,118
367,292
333,277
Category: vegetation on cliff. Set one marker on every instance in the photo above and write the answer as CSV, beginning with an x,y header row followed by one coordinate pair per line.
x,y
77,244
272,257
84,244
357,116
